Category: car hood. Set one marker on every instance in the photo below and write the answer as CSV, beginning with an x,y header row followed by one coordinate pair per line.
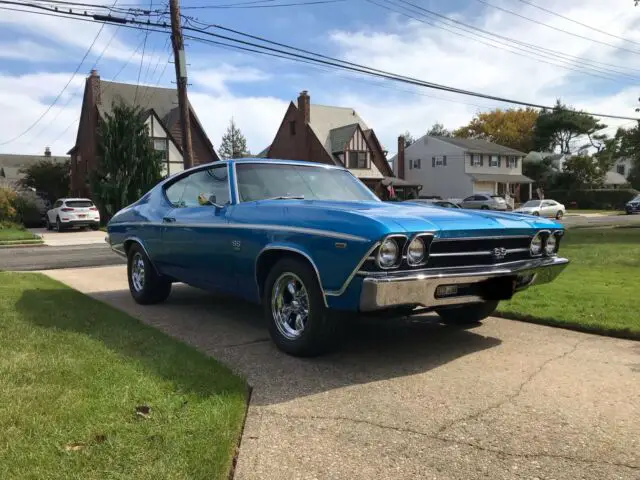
x,y
392,217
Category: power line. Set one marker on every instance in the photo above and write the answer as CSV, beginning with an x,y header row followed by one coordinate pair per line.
x,y
144,46
524,17
236,6
519,45
577,22
86,54
341,64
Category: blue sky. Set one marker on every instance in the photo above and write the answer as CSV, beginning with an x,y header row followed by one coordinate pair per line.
x,y
38,54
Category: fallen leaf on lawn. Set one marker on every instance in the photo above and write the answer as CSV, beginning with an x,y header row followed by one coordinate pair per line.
x,y
74,447
143,411
100,438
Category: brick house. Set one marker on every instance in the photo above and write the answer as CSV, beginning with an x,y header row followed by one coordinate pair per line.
x,y
331,135
162,116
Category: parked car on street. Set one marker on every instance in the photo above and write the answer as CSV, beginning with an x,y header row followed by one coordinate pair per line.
x,y
72,212
633,205
308,241
485,201
435,202
543,208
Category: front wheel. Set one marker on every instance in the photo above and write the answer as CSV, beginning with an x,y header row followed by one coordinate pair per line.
x,y
47,223
299,322
559,215
467,314
145,285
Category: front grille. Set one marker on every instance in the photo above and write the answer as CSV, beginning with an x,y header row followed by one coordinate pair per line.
x,y
478,251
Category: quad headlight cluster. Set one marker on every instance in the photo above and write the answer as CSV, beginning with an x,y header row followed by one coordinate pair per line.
x,y
545,243
416,251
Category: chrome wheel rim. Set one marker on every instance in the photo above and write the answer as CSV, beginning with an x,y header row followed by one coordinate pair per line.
x,y
290,305
137,272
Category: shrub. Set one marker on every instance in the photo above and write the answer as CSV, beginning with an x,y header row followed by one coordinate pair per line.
x,y
593,199
27,211
7,205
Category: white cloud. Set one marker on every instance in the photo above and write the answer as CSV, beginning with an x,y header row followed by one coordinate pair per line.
x,y
217,79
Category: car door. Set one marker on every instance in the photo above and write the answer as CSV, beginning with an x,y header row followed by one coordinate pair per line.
x,y
547,208
196,243
53,213
469,202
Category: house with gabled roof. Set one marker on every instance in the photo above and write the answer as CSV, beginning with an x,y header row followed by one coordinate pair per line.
x,y
162,117
331,135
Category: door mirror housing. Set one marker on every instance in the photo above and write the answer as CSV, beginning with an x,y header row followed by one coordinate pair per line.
x,y
211,200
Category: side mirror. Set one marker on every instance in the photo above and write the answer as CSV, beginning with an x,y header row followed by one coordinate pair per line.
x,y
211,200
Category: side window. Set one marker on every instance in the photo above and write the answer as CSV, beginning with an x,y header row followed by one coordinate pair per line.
x,y
174,192
470,199
57,204
206,184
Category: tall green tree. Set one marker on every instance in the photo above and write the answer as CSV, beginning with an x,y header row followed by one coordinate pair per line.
x,y
2,174
511,128
408,138
559,127
129,166
438,130
47,177
234,144
626,144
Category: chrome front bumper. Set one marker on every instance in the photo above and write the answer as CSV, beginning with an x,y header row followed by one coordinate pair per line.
x,y
473,283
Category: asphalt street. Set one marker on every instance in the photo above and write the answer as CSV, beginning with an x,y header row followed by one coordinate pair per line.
x,y
49,258
601,221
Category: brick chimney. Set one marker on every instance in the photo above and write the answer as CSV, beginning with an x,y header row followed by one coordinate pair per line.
x,y
400,157
94,83
304,105
47,152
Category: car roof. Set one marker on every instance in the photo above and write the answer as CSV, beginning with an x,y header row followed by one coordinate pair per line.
x,y
275,161
73,199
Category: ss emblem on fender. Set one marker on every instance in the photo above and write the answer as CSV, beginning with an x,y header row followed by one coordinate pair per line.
x,y
499,253
236,244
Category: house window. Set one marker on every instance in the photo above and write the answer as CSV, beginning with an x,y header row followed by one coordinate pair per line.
x,y
440,161
292,127
512,162
160,145
494,161
620,169
416,163
476,160
357,160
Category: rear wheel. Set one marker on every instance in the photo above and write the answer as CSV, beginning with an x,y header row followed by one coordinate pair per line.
x,y
537,214
484,207
47,223
58,224
467,314
299,322
145,285
559,215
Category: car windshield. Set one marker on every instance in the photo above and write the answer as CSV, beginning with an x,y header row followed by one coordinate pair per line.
x,y
261,181
79,203
532,203
636,199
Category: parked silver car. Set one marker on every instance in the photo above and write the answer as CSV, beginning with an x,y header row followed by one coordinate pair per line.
x,y
485,201
543,208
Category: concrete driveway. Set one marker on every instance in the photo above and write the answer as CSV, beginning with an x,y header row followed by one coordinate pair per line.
x,y
414,399
70,237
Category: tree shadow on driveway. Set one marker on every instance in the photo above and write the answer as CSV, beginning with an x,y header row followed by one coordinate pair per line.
x,y
233,332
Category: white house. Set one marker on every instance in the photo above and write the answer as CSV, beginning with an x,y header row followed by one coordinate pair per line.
x,y
623,166
459,167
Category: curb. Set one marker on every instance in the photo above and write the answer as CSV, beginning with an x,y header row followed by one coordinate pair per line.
x,y
23,245
550,322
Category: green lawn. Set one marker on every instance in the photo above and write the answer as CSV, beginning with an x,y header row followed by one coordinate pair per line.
x,y
72,373
13,233
599,290
604,212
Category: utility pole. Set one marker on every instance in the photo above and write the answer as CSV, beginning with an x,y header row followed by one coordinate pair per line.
x,y
181,81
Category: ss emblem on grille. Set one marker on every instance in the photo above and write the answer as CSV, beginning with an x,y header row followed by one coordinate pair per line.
x,y
499,253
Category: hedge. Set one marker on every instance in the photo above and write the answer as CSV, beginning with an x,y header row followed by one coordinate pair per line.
x,y
592,199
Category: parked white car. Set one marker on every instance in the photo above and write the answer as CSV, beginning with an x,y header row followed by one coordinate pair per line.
x,y
72,212
543,208
485,201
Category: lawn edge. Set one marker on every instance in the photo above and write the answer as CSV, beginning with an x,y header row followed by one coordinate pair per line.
x,y
552,322
236,453
22,244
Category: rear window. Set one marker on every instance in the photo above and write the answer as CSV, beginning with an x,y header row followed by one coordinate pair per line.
x,y
79,203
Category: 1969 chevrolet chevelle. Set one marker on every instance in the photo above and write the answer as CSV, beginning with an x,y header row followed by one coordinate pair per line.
x,y
306,240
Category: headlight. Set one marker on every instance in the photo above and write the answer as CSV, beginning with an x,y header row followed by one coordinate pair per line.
x,y
388,253
416,252
536,245
550,245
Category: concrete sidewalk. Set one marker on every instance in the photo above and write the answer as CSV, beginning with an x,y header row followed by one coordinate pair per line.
x,y
70,237
414,399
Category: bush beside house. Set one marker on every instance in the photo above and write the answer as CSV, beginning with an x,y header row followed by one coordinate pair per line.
x,y
605,199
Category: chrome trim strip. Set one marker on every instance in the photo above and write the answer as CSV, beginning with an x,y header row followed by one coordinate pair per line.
x,y
500,237
289,249
478,253
235,180
345,285
252,226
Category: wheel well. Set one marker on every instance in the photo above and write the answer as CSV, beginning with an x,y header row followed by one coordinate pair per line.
x,y
127,245
269,258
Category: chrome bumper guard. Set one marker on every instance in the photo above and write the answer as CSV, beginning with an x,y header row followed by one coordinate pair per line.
x,y
459,285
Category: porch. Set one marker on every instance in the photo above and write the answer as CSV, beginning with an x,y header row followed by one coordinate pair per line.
x,y
514,188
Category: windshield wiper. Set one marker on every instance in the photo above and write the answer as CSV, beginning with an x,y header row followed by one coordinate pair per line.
x,y
287,197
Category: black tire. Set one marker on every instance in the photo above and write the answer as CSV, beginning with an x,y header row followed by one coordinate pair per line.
x,y
484,207
59,225
149,287
95,227
320,331
467,314
536,214
559,215
47,223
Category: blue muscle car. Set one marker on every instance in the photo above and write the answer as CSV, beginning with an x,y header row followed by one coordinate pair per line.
x,y
306,239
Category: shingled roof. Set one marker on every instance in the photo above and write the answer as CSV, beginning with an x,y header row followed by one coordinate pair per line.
x,y
339,137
